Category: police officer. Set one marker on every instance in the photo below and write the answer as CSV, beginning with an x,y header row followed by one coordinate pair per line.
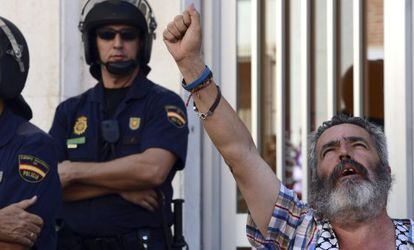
x,y
120,142
29,183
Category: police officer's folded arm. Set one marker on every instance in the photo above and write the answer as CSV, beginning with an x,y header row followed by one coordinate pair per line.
x,y
144,170
146,198
80,192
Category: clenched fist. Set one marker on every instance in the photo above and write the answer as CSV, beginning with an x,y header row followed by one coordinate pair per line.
x,y
183,40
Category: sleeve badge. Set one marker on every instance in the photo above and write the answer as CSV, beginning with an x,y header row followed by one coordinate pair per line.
x,y
176,116
32,169
81,125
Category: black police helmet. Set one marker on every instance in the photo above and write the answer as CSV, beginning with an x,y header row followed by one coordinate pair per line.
x,y
14,60
136,13
14,67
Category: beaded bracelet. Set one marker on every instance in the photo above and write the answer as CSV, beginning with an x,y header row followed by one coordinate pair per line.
x,y
205,75
213,107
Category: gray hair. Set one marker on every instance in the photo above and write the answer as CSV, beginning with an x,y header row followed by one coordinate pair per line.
x,y
374,131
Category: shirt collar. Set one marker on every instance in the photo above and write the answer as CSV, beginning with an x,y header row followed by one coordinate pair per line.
x,y
139,89
9,123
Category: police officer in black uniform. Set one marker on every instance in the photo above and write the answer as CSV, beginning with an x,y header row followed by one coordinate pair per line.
x,y
120,142
29,183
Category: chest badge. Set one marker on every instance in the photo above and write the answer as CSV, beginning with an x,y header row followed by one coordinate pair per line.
x,y
1,176
32,169
81,125
134,123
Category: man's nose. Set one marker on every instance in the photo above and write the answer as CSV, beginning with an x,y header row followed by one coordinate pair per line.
x,y
118,42
344,152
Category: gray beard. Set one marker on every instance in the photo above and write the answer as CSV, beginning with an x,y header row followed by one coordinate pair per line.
x,y
355,200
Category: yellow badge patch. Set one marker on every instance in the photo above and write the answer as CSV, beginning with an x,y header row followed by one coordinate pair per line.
x,y
81,125
134,123
32,169
176,116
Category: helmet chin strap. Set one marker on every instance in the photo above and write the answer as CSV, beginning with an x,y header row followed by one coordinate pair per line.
x,y
121,68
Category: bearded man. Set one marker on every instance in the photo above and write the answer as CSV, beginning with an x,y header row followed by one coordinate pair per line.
x,y
351,176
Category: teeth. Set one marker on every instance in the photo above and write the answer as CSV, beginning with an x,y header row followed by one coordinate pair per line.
x,y
348,171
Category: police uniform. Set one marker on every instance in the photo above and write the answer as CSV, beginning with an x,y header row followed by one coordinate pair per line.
x,y
28,168
150,116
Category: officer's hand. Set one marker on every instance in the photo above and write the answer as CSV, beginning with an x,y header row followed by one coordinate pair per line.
x,y
183,38
147,199
19,226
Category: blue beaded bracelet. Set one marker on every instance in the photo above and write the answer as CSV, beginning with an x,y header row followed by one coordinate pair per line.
x,y
205,75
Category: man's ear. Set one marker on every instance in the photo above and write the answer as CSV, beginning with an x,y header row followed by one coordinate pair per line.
x,y
389,169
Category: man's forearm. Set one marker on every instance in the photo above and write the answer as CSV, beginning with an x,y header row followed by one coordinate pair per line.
x,y
78,192
142,171
105,176
233,140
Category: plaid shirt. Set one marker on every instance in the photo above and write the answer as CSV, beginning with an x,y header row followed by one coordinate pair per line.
x,y
294,225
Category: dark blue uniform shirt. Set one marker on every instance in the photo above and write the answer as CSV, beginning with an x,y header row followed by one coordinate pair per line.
x,y
28,168
150,116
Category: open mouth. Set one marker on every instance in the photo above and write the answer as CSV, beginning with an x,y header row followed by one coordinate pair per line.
x,y
349,172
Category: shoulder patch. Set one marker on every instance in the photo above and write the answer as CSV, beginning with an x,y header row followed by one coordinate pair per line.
x,y
32,169
81,125
175,116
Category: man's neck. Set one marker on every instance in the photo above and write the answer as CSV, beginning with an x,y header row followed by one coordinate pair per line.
x,y
111,81
377,233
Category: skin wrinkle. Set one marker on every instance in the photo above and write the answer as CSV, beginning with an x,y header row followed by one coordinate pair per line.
x,y
337,143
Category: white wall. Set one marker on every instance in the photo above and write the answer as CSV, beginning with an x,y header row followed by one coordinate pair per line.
x,y
38,20
164,70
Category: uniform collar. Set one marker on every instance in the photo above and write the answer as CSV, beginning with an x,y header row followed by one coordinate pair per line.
x,y
9,123
139,89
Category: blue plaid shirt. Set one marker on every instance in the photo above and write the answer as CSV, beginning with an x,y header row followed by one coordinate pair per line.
x,y
294,225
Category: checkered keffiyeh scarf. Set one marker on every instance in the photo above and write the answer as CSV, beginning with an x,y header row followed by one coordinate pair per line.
x,y
327,239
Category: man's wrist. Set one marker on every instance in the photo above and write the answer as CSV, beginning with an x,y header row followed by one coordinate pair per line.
x,y
191,69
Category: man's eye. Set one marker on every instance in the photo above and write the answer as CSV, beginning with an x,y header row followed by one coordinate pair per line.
x,y
360,144
326,151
